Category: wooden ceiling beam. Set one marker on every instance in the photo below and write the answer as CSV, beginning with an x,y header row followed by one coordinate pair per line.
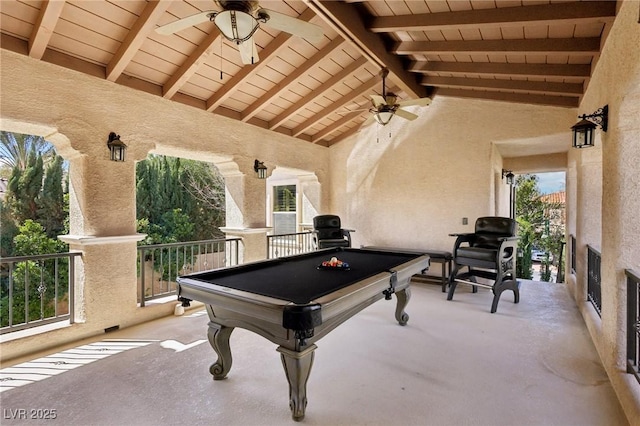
x,y
291,79
191,65
335,126
278,44
326,86
546,46
349,98
145,23
544,14
44,26
491,68
345,19
523,98
510,85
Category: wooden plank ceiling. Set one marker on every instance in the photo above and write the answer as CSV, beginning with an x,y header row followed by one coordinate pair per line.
x,y
537,52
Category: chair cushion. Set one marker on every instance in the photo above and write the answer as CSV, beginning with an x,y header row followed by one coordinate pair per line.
x,y
328,234
477,253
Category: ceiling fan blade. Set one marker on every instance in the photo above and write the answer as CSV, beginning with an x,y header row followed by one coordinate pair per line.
x,y
291,25
248,52
181,24
378,100
418,102
406,114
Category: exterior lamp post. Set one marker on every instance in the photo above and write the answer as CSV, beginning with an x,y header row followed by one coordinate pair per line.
x,y
510,179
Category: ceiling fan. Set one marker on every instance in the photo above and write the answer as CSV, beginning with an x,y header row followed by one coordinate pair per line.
x,y
385,106
239,20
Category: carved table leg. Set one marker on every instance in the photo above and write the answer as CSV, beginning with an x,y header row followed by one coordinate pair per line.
x,y
297,366
403,297
219,339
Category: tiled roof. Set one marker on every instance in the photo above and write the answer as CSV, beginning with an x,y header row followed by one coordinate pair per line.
x,y
554,198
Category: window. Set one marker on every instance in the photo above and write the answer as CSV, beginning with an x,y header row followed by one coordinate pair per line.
x,y
284,198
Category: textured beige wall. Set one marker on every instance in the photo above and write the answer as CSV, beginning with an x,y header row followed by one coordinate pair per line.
x,y
76,112
605,198
413,189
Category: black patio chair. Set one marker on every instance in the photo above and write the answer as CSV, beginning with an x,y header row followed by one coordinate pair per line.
x,y
489,253
328,232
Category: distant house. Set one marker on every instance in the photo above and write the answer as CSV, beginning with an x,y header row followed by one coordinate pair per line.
x,y
555,208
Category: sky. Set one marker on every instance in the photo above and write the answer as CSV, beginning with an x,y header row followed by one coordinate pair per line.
x,y
551,182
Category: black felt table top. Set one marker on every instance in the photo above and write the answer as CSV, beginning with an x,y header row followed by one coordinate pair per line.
x,y
297,279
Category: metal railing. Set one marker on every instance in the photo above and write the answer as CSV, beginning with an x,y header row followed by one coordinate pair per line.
x,y
160,264
289,244
633,323
594,279
573,254
36,290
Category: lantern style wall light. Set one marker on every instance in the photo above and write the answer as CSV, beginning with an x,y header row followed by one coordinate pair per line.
x,y
260,169
509,175
583,130
116,147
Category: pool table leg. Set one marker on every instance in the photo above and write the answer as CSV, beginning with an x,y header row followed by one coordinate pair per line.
x,y
297,366
403,297
219,339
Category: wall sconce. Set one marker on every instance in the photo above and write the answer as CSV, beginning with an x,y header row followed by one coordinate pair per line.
x,y
509,175
583,130
261,169
116,147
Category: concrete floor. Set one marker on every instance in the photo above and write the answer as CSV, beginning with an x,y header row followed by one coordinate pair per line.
x,y
530,363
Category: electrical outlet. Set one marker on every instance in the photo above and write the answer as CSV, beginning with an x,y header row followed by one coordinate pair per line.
x,y
465,221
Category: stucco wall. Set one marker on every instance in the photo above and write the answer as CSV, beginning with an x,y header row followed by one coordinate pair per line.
x,y
76,112
412,189
610,221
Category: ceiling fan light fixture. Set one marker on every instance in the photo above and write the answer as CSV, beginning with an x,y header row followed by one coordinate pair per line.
x,y
383,117
235,25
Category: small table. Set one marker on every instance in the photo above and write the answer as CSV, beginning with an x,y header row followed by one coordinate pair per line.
x,y
293,303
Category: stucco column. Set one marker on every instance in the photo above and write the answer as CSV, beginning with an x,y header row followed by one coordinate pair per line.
x,y
620,223
310,193
588,216
245,204
102,205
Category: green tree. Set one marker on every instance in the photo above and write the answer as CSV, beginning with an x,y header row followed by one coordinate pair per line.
x,y
34,190
197,189
34,281
15,149
530,217
8,230
24,187
52,209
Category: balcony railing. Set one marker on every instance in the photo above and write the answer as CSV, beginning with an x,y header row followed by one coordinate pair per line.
x,y
160,264
36,290
573,254
594,279
633,323
289,244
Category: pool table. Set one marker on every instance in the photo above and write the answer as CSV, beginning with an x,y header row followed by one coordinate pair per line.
x,y
294,301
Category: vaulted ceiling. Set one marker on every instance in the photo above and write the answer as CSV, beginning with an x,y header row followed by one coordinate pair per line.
x,y
526,51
